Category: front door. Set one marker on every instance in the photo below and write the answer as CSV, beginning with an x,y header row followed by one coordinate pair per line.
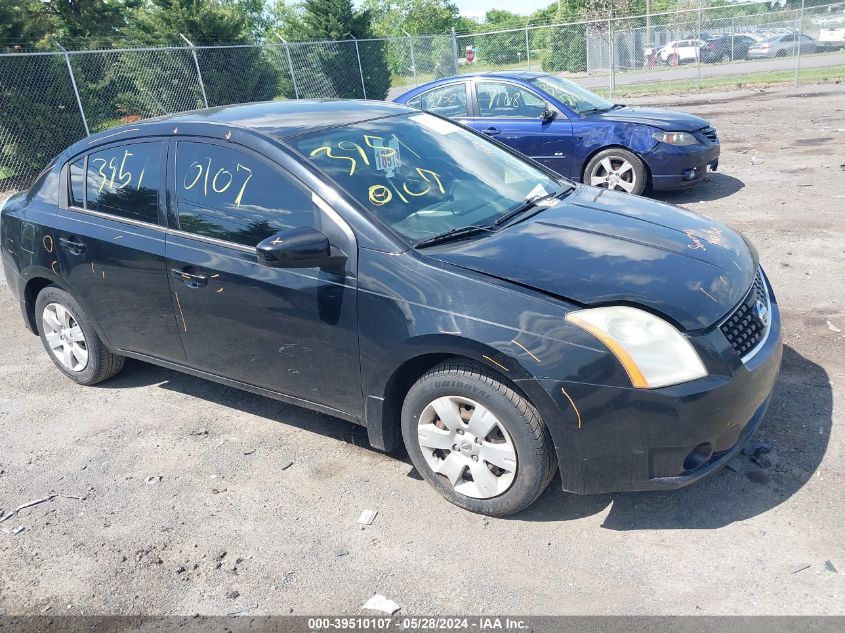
x,y
109,245
293,331
513,115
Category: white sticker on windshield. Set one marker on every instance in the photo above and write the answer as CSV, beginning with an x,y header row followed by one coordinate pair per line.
x,y
434,124
387,158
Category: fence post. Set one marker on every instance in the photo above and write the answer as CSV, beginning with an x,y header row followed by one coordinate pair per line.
x,y
698,50
290,65
733,33
197,66
527,48
455,49
413,60
360,68
610,54
75,89
798,39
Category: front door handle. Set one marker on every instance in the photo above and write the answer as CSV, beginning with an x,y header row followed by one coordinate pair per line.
x,y
492,131
72,245
192,280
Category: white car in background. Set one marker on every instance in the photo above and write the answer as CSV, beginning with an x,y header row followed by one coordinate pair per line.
x,y
680,51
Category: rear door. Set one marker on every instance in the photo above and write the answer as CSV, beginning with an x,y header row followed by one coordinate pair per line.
x,y
450,100
110,246
293,331
513,115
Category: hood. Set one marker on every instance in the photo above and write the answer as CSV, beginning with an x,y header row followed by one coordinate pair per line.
x,y
599,247
668,120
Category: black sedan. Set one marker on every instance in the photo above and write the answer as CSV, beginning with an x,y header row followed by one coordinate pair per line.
x,y
726,48
391,268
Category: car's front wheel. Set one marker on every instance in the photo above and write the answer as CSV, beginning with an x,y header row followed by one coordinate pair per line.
x,y
618,169
476,440
71,340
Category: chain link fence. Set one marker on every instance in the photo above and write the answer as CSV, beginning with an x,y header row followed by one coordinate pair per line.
x,y
50,100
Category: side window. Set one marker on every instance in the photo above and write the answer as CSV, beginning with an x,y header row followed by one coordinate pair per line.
x,y
124,181
501,100
788,38
77,175
414,102
448,101
229,195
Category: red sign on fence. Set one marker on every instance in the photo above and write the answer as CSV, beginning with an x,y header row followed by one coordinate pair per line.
x,y
470,54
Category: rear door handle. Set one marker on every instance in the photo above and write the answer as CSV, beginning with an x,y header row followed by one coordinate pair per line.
x,y
72,245
192,280
492,131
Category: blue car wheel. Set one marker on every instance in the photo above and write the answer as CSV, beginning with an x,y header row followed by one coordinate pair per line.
x,y
618,169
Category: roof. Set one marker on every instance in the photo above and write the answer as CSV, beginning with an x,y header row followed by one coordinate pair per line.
x,y
520,75
274,118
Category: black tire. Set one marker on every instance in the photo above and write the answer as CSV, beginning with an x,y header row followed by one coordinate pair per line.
x,y
536,460
102,363
616,155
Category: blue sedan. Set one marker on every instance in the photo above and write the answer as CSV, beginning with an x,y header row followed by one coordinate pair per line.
x,y
577,133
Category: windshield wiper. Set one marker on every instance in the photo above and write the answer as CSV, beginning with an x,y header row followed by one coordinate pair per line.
x,y
530,203
454,234
615,106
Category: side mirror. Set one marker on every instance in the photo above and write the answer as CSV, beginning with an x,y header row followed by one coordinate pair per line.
x,y
299,248
548,115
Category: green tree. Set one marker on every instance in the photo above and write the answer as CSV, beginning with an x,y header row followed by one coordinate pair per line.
x,y
89,23
24,24
567,50
338,20
417,17
231,75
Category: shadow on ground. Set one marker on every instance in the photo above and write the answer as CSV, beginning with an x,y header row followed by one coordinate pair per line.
x,y
797,427
715,187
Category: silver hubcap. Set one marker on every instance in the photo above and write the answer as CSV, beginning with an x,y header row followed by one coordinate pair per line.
x,y
614,172
466,444
64,336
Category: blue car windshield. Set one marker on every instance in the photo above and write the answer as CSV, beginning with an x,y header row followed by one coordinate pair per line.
x,y
425,176
571,94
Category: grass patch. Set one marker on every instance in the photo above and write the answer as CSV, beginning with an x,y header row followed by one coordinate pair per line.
x,y
742,80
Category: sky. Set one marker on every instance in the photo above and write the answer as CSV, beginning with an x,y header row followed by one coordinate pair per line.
x,y
477,8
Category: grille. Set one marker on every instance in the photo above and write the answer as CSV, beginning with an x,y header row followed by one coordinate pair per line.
x,y
744,329
710,134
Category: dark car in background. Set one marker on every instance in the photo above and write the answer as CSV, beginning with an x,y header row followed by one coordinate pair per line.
x,y
726,48
575,132
389,267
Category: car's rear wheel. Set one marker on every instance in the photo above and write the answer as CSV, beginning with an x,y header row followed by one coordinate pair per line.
x,y
616,169
71,340
726,57
476,440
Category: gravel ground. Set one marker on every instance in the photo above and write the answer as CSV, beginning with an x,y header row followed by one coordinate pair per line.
x,y
173,495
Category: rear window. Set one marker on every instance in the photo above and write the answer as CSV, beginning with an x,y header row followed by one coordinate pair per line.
x,y
123,181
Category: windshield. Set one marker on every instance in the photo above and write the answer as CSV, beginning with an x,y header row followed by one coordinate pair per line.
x,y
571,94
424,176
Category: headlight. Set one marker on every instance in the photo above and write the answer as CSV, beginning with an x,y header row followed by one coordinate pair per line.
x,y
653,353
675,138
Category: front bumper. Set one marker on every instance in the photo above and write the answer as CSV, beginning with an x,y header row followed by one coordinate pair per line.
x,y
681,167
633,439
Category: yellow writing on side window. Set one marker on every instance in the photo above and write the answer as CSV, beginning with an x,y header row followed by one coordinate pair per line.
x,y
114,175
220,181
